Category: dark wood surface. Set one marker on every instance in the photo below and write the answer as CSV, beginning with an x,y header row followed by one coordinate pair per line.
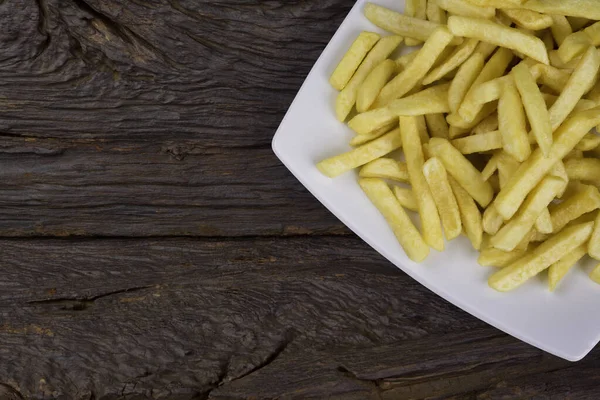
x,y
154,247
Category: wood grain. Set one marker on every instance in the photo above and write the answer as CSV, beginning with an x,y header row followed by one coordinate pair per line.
x,y
153,246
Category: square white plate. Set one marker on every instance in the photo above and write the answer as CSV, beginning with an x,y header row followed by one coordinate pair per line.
x,y
563,323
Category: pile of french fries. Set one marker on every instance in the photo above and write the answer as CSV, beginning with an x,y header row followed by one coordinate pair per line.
x,y
495,115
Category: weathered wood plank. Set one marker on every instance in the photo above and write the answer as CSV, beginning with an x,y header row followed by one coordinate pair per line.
x,y
151,188
294,317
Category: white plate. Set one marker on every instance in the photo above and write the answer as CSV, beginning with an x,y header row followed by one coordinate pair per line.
x,y
563,323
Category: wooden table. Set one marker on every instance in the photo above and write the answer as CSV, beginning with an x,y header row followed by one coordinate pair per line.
x,y
154,247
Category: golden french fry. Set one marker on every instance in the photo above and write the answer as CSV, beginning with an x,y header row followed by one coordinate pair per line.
x,y
437,125
379,147
455,132
352,59
578,84
541,258
550,76
479,143
517,228
469,214
500,35
529,19
417,69
507,167
416,9
494,68
347,97
594,245
435,13
405,59
462,170
559,269
583,169
485,49
429,101
362,139
491,257
556,61
406,198
407,234
560,28
402,25
455,60
423,133
584,201
465,77
464,8
432,229
533,170
535,107
492,221
512,123
487,125
574,45
385,168
437,178
574,8
589,142
543,224
595,274
373,83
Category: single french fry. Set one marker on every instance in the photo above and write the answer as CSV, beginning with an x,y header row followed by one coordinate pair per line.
x,y
455,60
423,133
557,62
590,142
437,178
373,83
594,245
416,9
583,169
405,59
360,156
402,25
491,32
578,84
583,202
457,121
485,49
347,97
550,76
529,19
533,170
385,168
479,143
407,234
491,257
560,28
464,8
435,13
494,68
462,170
469,214
512,123
429,101
417,69
507,167
541,258
352,59
574,45
535,107
579,8
365,138
492,221
490,168
543,224
559,269
437,125
407,198
465,77
595,274
432,229
517,228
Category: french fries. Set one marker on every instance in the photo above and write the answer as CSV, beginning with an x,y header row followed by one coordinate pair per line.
x,y
432,229
541,258
437,179
352,59
491,32
407,234
416,70
461,104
